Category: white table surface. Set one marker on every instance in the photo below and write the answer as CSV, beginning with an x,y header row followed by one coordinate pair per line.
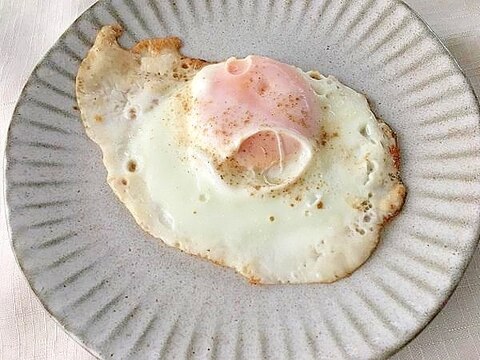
x,y
28,28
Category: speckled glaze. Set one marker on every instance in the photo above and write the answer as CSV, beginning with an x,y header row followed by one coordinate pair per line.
x,y
124,295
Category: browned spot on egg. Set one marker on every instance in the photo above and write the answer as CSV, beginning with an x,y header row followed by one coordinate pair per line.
x,y
328,136
320,205
254,281
187,106
132,113
272,218
362,205
132,166
195,64
262,88
98,118
124,182
315,75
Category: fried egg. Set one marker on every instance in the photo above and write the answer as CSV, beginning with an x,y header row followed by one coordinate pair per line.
x,y
285,176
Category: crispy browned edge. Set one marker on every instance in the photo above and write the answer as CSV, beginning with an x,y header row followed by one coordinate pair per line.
x,y
149,47
158,45
394,151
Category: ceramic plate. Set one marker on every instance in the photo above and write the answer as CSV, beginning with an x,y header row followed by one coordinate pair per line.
x,y
124,295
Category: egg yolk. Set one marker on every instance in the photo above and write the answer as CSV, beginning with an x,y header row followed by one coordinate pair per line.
x,y
259,112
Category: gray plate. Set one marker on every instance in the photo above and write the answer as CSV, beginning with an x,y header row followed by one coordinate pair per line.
x,y
123,294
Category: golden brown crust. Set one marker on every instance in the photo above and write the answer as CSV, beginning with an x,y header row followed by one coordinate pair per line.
x,y
193,63
394,150
395,153
157,46
254,281
153,47
399,193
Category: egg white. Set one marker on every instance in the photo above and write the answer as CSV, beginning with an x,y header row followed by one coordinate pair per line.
x,y
318,229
